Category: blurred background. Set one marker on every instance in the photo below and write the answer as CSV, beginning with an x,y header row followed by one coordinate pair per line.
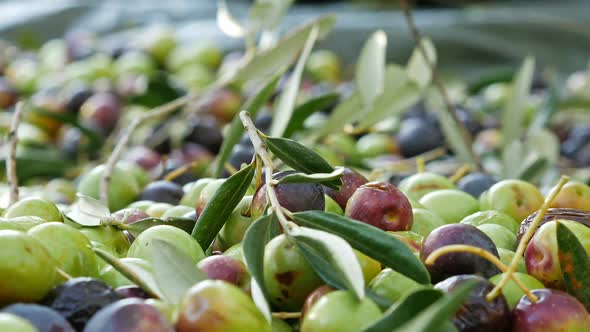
x,y
472,37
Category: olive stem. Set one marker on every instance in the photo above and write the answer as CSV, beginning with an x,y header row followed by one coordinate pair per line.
x,y
453,248
461,172
126,136
527,237
11,175
63,273
260,149
420,164
287,315
181,170
438,82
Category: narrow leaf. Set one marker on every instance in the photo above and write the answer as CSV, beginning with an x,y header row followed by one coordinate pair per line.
x,y
286,102
91,206
408,308
267,14
227,23
332,258
236,129
221,205
550,106
534,169
370,68
260,232
418,68
513,115
174,271
297,156
452,132
260,300
346,112
331,180
369,240
134,273
574,263
136,228
437,314
269,61
303,111
512,158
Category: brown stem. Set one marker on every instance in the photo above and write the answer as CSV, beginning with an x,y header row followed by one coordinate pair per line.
x,y
287,315
11,175
526,238
260,149
437,80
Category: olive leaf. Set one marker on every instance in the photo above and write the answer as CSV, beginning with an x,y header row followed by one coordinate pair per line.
x,y
408,308
260,300
227,23
346,112
437,314
370,68
272,60
37,161
267,14
88,211
513,115
550,106
574,262
236,129
513,155
174,271
297,156
221,205
328,179
286,102
260,232
135,273
452,131
332,258
399,94
136,228
369,240
418,68
303,111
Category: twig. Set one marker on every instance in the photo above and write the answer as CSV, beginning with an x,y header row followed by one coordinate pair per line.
x,y
181,170
126,136
460,173
11,175
287,315
437,80
260,149
453,248
526,238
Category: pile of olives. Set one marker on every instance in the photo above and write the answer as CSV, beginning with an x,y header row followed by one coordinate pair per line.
x,y
81,94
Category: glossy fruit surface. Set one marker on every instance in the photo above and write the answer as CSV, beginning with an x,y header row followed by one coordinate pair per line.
x,y
382,205
21,224
115,279
214,305
236,225
142,246
420,184
23,260
13,323
554,311
516,198
476,183
425,221
228,269
68,247
458,263
462,204
491,217
393,285
574,195
340,311
36,207
511,291
478,314
122,191
130,315
351,180
44,319
110,238
287,275
500,235
162,191
78,299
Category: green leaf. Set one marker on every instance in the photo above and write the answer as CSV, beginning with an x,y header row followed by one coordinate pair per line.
x,y
270,61
286,102
369,240
136,228
534,169
452,132
227,23
332,258
418,68
437,314
134,273
574,262
33,162
399,94
236,129
267,14
260,232
174,271
88,211
328,179
407,309
303,111
513,115
370,68
550,106
221,205
346,112
297,156
512,159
